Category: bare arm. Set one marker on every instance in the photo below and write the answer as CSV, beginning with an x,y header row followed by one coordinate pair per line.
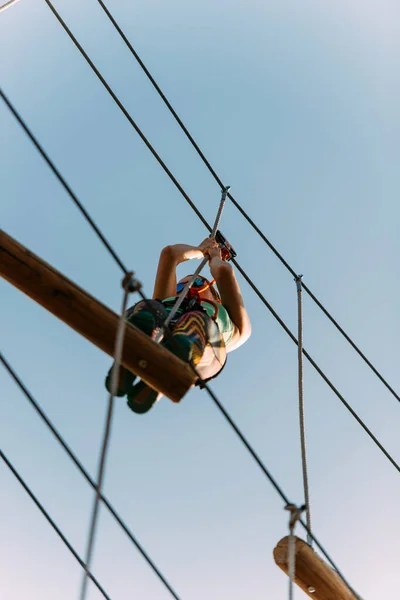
x,y
170,258
231,297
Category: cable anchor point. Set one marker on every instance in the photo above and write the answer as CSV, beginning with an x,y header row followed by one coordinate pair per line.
x,y
130,283
224,192
295,514
298,281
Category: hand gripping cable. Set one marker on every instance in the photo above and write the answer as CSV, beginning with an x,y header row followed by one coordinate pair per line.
x,y
203,263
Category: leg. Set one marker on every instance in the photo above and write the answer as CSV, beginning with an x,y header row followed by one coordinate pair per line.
x,y
208,353
195,337
147,321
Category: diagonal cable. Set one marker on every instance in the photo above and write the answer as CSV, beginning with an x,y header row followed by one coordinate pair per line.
x,y
50,520
126,113
316,367
119,342
63,182
109,506
252,285
271,479
200,216
86,475
235,203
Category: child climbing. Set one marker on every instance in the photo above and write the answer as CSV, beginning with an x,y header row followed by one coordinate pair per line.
x,y
207,325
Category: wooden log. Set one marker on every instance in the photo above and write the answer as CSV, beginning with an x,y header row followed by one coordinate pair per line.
x,y
318,580
150,361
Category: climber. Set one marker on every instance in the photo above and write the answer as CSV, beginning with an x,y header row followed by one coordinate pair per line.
x,y
208,324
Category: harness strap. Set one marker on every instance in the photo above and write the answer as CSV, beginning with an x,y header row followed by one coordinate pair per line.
x,y
193,303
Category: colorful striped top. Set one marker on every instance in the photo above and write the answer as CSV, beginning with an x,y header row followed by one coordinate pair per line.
x,y
217,312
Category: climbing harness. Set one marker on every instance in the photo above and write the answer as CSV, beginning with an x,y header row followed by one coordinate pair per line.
x,y
129,284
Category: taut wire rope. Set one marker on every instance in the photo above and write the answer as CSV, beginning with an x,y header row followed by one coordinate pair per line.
x,y
129,284
255,289
86,475
201,266
271,479
316,367
204,385
301,407
236,204
127,115
231,423
50,520
191,203
64,183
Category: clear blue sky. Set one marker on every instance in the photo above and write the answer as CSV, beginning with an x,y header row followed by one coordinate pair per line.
x,y
296,105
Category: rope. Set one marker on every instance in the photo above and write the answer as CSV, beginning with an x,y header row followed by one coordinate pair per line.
x,y
206,224
246,443
244,440
280,321
294,517
301,406
252,285
204,385
129,284
115,514
81,468
208,227
127,115
52,523
201,266
316,367
235,203
64,183
83,471
185,195
224,193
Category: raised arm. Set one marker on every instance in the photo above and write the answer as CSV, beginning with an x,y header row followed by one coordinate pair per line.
x,y
231,297
170,258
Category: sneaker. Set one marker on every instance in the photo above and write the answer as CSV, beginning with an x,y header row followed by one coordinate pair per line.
x,y
146,323
125,381
141,398
180,345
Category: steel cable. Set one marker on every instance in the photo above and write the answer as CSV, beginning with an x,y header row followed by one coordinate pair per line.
x,y
50,520
236,204
126,113
271,479
64,183
316,367
86,475
252,285
176,183
129,284
93,484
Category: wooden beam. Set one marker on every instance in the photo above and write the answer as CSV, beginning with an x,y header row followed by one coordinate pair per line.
x,y
89,317
313,575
